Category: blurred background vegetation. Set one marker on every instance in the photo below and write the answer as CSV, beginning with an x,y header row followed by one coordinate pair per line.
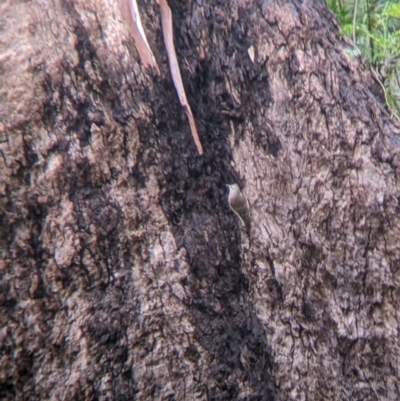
x,y
374,28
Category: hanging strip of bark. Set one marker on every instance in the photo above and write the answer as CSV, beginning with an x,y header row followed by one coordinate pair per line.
x,y
130,12
166,20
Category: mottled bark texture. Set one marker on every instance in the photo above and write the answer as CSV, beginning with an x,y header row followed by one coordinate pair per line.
x,y
124,273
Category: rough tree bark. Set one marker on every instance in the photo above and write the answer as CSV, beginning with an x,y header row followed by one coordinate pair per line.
x,y
124,273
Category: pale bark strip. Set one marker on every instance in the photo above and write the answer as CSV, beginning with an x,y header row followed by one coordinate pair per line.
x,y
130,12
166,19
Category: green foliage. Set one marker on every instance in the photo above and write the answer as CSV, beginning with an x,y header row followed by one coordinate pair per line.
x,y
374,28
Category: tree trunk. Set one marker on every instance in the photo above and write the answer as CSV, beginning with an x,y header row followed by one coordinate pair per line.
x,y
124,273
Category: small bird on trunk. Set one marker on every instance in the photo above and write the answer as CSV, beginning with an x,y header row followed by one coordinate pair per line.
x,y
240,205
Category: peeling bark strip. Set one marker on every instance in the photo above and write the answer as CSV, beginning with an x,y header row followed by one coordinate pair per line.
x,y
166,19
130,12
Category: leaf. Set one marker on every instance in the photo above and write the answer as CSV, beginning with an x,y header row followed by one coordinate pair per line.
x,y
392,10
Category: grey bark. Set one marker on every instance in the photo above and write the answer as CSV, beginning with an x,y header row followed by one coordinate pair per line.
x,y
124,273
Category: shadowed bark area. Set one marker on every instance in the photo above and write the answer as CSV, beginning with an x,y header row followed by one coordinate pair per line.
x,y
125,275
